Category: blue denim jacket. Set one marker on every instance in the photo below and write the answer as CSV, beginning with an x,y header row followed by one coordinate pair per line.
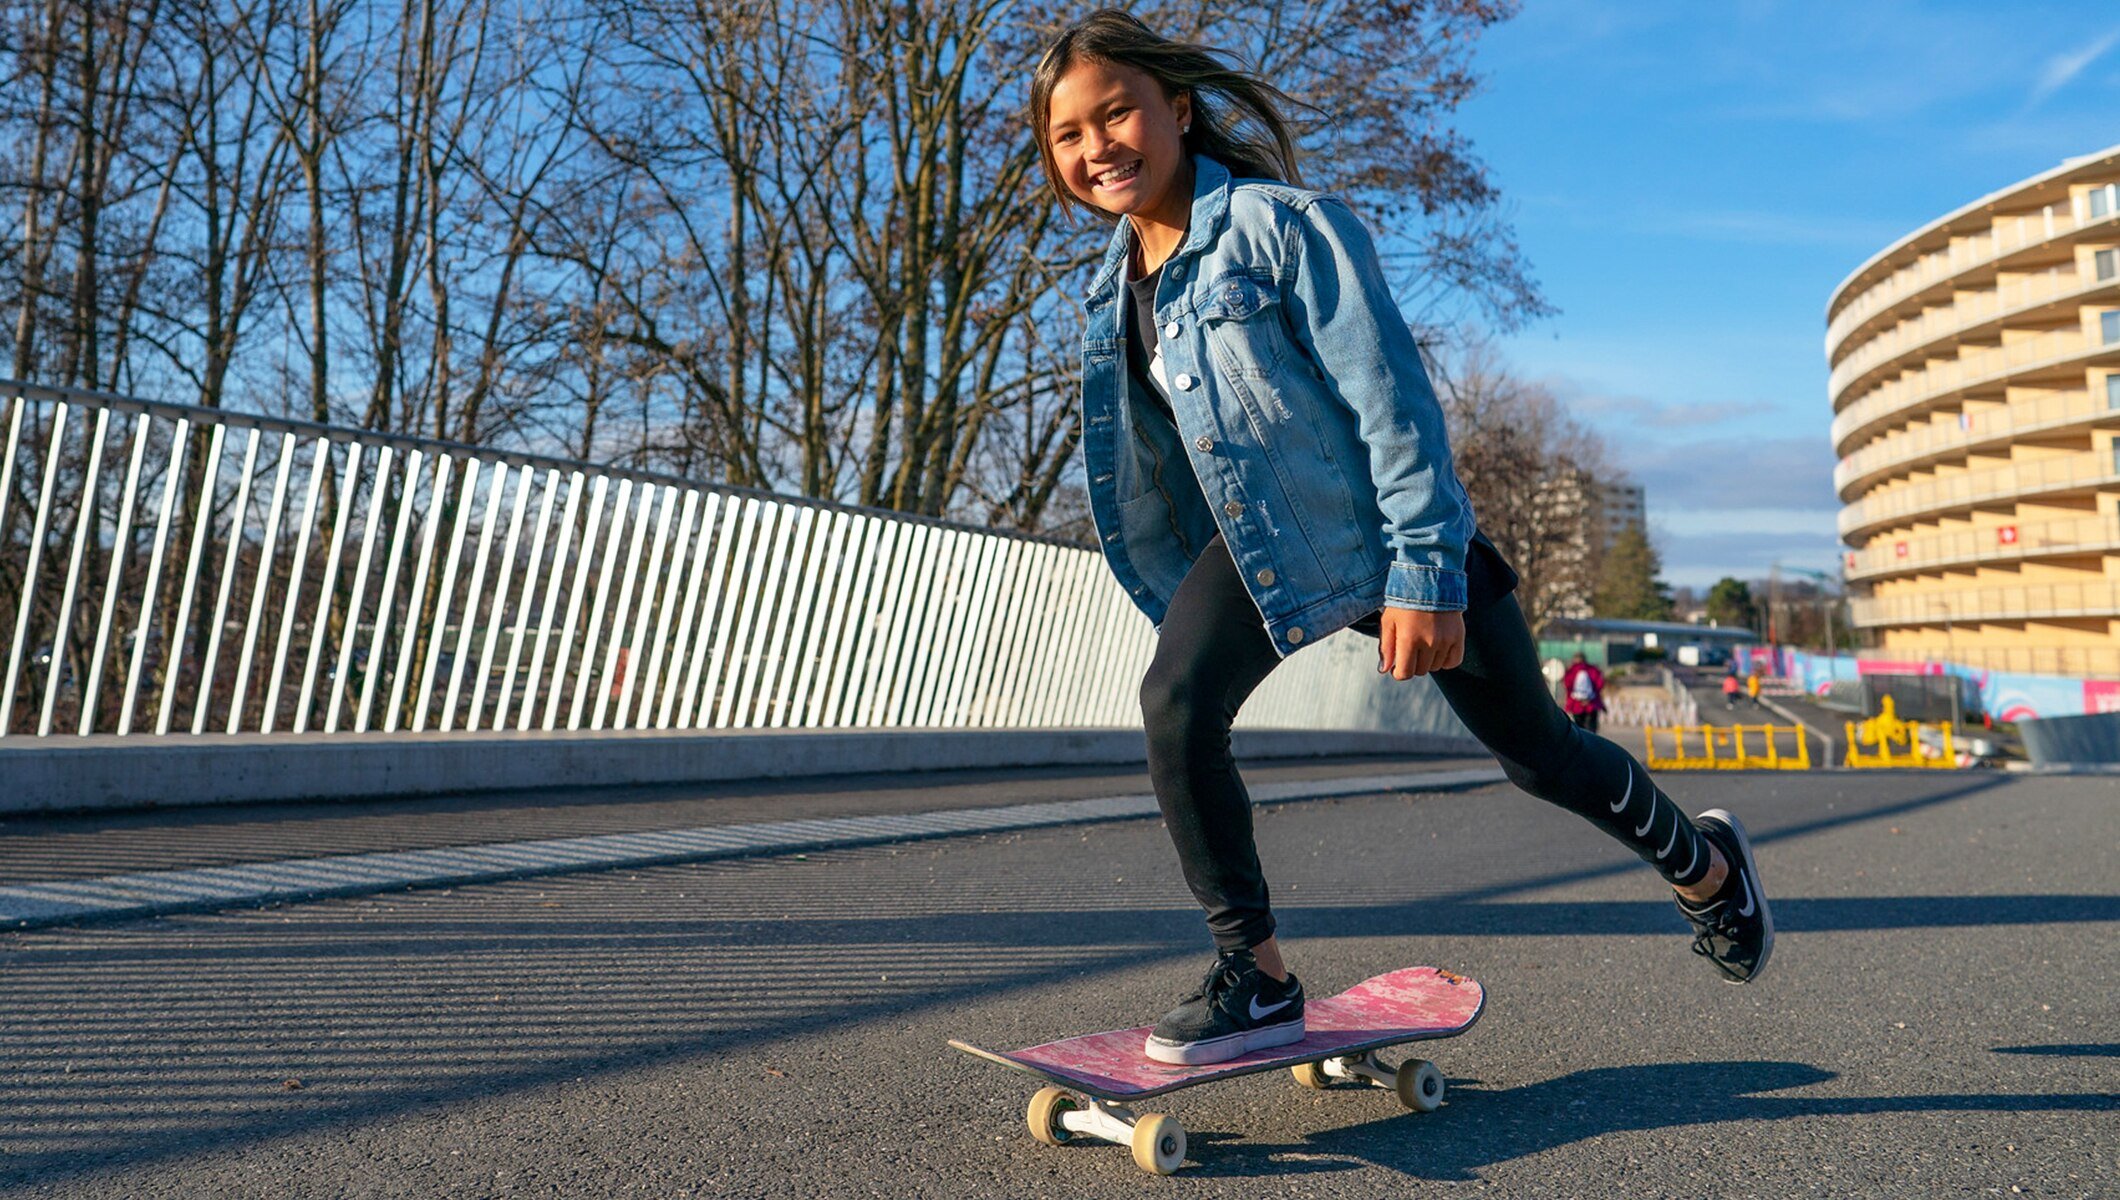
x,y
1307,432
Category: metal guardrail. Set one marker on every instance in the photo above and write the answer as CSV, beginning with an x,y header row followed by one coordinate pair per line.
x,y
1725,748
167,569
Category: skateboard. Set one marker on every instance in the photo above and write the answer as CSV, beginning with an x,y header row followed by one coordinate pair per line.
x,y
1096,1077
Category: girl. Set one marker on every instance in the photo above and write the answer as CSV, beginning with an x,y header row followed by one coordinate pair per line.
x,y
1268,464
1584,687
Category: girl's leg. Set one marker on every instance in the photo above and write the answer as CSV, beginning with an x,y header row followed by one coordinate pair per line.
x,y
1212,652
1501,696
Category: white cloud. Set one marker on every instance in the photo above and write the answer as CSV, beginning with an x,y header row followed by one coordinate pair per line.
x,y
2062,69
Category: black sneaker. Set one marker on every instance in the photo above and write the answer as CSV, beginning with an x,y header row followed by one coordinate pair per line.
x,y
1734,931
1237,1009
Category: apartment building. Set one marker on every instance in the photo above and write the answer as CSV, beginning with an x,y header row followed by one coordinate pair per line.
x,y
1623,509
1976,398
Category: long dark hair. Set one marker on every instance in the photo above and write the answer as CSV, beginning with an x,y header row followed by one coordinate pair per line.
x,y
1236,115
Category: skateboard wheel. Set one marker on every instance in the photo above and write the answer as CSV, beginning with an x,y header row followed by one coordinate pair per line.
x,y
1044,1116
1311,1075
1159,1144
1420,1085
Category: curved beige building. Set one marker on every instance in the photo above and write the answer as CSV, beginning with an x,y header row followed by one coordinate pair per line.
x,y
1976,401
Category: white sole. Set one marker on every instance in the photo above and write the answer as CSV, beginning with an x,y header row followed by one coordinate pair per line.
x,y
1226,1047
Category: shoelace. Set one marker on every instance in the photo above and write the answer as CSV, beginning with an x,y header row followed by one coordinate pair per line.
x,y
1216,985
1720,923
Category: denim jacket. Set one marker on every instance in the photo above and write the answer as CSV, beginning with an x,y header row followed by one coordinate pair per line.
x,y
1307,432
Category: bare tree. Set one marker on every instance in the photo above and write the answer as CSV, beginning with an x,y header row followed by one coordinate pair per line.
x,y
1524,462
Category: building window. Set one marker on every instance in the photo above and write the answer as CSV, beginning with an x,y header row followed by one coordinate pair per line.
x,y
2112,390
2101,201
2109,326
2107,263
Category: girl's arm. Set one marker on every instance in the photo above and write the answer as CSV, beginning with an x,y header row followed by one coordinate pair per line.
x,y
1343,316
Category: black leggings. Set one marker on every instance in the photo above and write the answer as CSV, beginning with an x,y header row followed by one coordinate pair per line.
x,y
1214,651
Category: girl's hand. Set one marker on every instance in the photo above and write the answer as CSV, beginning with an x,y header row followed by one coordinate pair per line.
x,y
1414,641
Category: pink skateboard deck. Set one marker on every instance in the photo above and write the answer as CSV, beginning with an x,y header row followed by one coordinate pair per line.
x,y
1403,1006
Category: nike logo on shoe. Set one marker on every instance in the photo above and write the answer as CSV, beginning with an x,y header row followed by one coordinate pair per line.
x,y
1258,1013
1749,907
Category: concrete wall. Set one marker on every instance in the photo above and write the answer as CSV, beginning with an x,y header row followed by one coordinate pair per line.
x,y
2094,738
57,774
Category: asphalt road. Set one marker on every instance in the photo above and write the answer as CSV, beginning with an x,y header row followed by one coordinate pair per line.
x,y
1939,1018
42,846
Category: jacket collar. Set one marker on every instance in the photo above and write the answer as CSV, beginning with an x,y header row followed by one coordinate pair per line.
x,y
1210,202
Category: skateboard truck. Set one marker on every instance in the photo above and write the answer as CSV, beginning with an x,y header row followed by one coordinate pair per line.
x,y
1058,1115
1417,1081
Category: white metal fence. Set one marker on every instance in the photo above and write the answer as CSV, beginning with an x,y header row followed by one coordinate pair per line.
x,y
169,569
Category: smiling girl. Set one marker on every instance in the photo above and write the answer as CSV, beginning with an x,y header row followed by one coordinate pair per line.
x,y
1268,464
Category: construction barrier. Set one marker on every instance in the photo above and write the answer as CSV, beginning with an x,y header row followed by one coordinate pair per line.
x,y
1726,748
1894,742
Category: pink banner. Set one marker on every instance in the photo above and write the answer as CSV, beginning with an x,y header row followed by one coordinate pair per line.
x,y
1895,666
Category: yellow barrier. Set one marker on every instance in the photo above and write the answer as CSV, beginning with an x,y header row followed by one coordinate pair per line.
x,y
1897,743
1724,748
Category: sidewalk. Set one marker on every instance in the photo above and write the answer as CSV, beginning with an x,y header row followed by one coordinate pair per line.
x,y
65,870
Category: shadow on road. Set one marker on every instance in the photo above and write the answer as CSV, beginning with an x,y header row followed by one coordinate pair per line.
x,y
1481,1127
2074,1050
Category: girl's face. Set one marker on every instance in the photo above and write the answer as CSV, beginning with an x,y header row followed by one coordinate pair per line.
x,y
1118,140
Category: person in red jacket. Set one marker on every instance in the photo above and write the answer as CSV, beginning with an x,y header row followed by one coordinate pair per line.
x,y
1583,692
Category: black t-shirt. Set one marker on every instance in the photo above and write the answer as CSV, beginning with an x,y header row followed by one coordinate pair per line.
x,y
1141,348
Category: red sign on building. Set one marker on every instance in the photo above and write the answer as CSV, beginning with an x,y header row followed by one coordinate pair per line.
x,y
2006,534
1899,549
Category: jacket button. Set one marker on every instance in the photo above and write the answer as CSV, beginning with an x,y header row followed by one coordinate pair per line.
x,y
1185,382
1295,634
1177,270
1265,577
1234,508
1102,478
1204,442
1170,330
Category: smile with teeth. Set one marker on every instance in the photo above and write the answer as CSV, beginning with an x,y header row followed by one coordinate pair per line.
x,y
1118,175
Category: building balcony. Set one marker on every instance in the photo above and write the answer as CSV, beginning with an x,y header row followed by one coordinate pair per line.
x,y
2011,542
1931,277
2056,351
2051,293
1991,429
1937,497
2021,602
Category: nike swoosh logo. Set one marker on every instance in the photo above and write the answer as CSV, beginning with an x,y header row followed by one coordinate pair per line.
x,y
1747,910
1257,1012
1643,831
1623,795
1673,842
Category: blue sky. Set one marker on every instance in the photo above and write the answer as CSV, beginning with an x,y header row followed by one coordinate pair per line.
x,y
1690,181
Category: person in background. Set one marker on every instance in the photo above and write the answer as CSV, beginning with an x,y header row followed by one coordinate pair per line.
x,y
1730,690
1583,692
1752,687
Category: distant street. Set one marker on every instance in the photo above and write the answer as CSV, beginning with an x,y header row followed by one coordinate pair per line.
x,y
1938,1020
1705,683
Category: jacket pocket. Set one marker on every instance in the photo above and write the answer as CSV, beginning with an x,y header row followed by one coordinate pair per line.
x,y
1241,318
